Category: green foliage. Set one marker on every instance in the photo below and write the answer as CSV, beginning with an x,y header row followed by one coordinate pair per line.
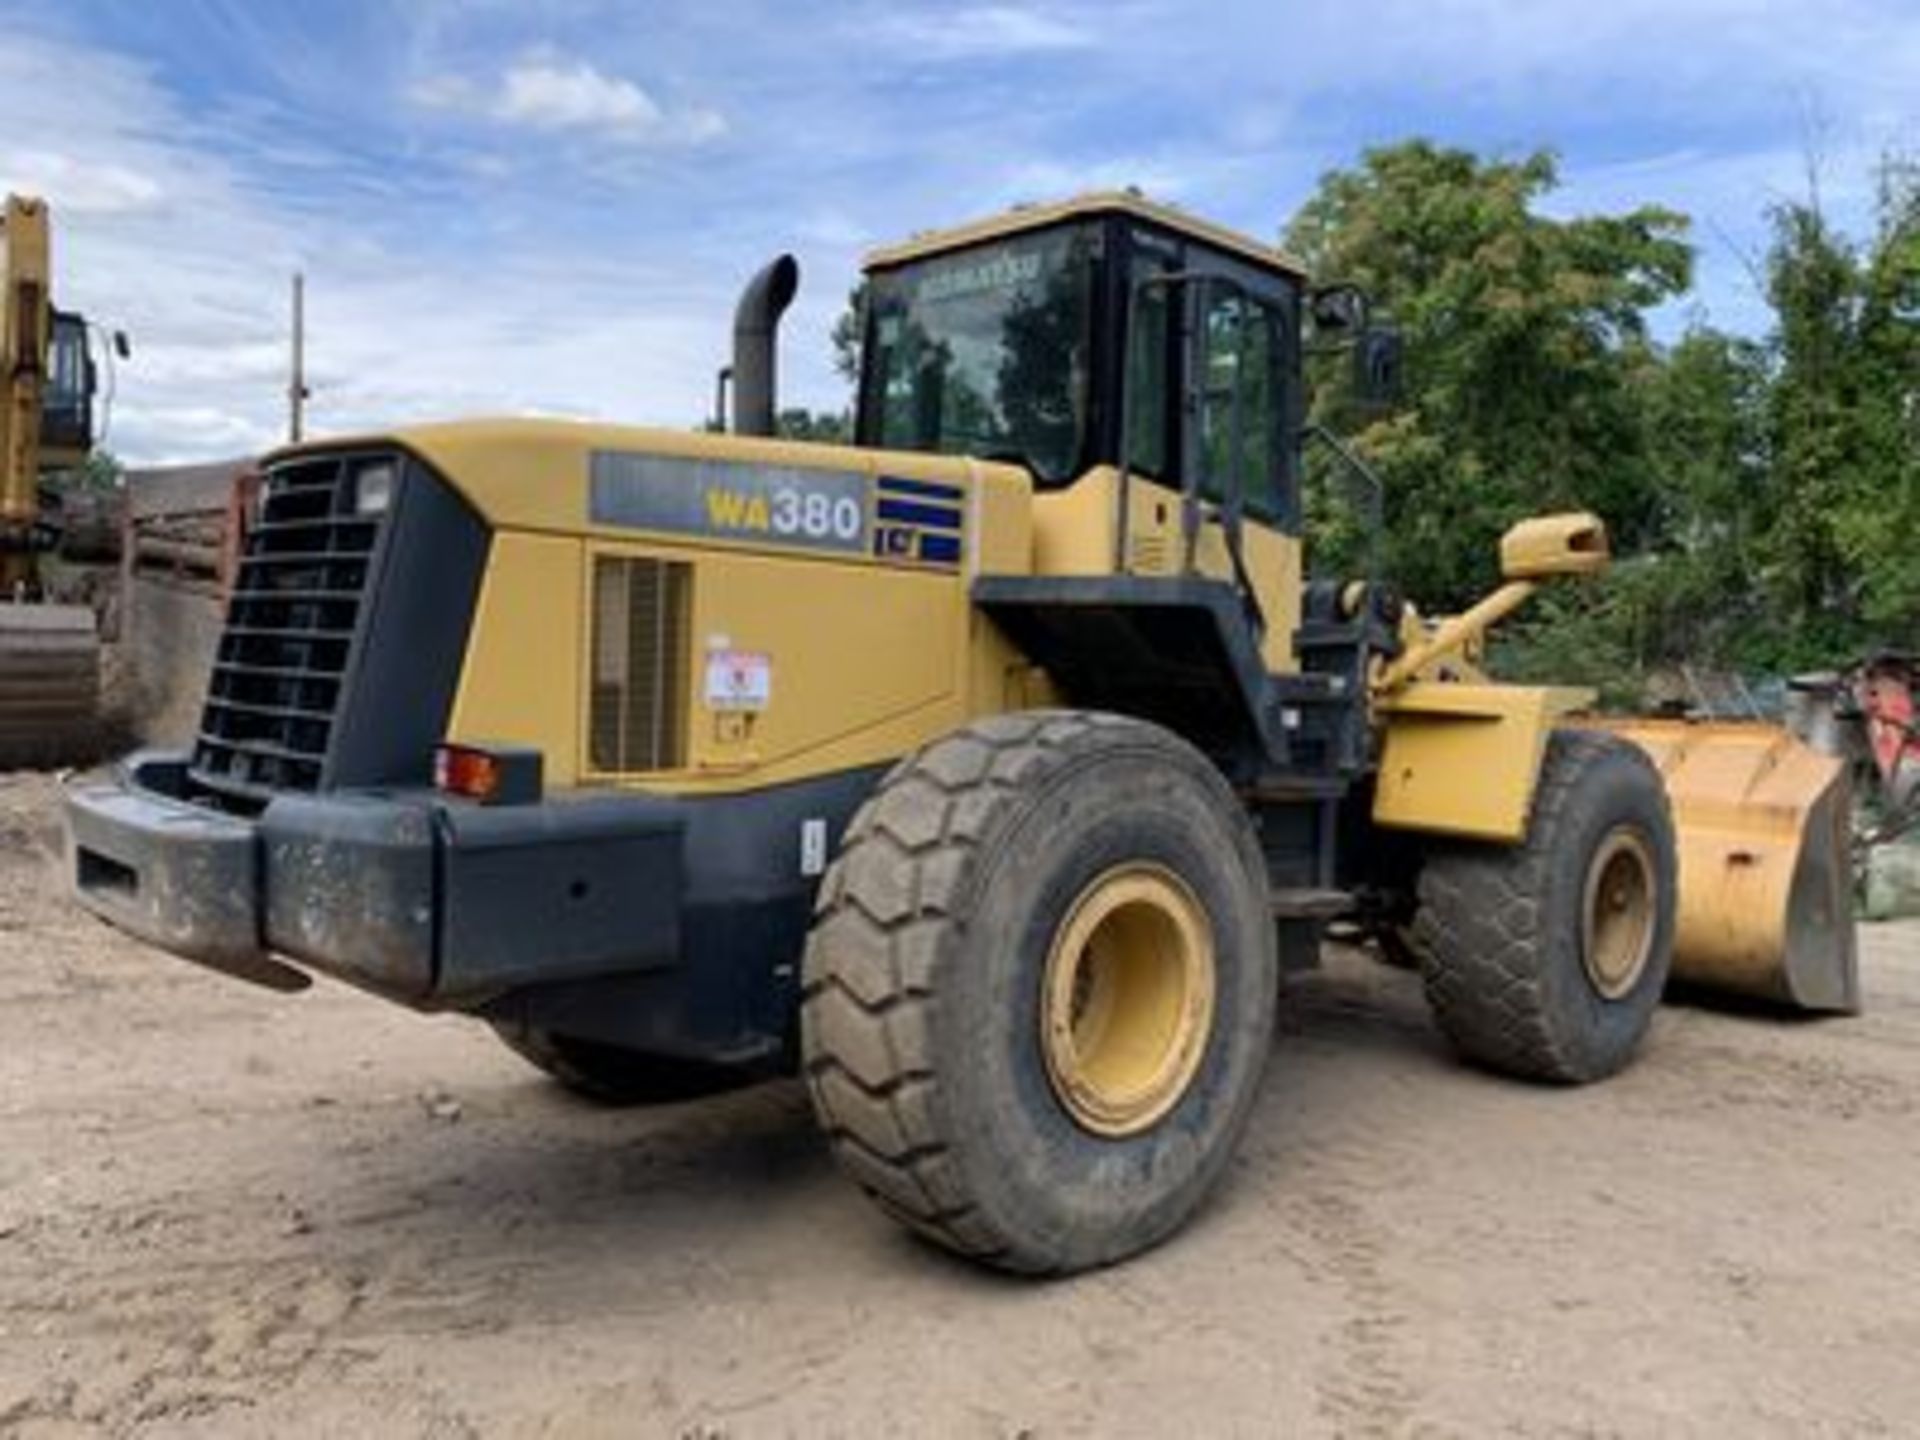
x,y
101,472
848,328
1764,493
822,427
1523,337
1842,565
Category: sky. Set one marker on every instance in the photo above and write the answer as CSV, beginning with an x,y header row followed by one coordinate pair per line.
x,y
548,206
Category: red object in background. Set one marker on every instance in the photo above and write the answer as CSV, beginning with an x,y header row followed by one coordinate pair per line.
x,y
1885,692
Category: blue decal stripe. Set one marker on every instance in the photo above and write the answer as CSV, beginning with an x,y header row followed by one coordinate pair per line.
x,y
925,489
909,512
940,549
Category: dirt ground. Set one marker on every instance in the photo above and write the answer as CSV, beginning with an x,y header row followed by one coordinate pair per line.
x,y
225,1211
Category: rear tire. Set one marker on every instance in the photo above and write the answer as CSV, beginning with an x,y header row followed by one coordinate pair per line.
x,y
609,1075
1547,959
1040,989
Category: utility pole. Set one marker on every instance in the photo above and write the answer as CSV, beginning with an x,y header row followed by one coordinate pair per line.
x,y
297,391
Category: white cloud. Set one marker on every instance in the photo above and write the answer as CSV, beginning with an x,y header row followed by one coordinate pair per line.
x,y
545,90
561,94
169,226
490,225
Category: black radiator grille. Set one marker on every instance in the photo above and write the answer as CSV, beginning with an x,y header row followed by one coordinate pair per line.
x,y
280,672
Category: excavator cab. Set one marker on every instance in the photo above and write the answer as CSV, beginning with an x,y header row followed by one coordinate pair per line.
x,y
67,406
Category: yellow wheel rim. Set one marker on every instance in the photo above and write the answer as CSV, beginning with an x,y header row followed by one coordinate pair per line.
x,y
1616,938
1127,999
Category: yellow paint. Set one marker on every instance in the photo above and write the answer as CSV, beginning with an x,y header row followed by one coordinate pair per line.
x,y
880,659
1074,533
1760,822
532,474
1429,652
872,664
1553,545
732,511
1462,759
1127,999
1073,527
25,320
522,679
1273,564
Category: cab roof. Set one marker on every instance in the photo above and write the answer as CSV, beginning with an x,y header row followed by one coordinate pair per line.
x,y
1022,218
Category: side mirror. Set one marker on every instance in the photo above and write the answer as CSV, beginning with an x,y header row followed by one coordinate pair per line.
x,y
1338,309
1378,366
121,345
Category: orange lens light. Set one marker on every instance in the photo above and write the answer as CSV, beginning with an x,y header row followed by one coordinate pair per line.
x,y
460,771
490,774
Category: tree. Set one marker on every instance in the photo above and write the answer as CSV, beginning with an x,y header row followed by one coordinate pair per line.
x,y
820,426
1844,535
1524,335
848,331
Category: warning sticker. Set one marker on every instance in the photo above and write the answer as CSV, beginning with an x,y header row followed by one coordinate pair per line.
x,y
739,680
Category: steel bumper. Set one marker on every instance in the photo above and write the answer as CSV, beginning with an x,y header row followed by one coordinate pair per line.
x,y
426,900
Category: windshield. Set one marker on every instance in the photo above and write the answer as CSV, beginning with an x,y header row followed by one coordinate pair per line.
x,y
67,402
985,352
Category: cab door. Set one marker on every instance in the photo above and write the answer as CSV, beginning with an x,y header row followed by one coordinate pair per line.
x,y
1239,451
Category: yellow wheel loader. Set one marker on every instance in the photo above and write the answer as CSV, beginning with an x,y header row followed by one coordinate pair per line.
x,y
988,771
49,652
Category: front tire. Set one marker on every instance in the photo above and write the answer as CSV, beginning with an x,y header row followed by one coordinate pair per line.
x,y
1040,989
1547,959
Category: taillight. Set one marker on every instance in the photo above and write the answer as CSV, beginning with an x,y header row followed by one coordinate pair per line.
x,y
489,774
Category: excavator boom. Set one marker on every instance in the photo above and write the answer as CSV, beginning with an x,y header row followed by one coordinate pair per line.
x,y
49,653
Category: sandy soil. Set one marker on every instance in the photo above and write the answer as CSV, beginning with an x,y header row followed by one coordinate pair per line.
x,y
225,1211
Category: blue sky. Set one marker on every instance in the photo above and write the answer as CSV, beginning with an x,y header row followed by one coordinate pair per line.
x,y
546,206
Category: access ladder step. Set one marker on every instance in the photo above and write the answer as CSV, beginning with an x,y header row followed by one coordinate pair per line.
x,y
1311,904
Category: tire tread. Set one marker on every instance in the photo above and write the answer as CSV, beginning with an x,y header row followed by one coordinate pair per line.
x,y
1479,930
867,1002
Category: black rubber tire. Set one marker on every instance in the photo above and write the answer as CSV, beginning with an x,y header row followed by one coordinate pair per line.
x,y
610,1075
920,1029
1499,927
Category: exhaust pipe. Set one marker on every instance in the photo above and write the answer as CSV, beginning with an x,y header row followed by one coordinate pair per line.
x,y
756,328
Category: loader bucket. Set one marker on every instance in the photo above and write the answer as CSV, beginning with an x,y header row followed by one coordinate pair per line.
x,y
49,685
1763,824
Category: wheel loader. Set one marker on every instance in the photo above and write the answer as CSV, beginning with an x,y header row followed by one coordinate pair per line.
x,y
988,772
49,651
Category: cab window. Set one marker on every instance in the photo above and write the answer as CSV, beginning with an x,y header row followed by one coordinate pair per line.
x,y
1149,372
1242,401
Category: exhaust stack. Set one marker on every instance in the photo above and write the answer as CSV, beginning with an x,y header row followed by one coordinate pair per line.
x,y
756,329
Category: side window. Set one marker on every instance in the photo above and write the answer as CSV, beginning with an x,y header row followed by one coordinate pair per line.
x,y
1243,412
66,407
1148,376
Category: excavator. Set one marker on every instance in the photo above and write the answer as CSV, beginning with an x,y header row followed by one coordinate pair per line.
x,y
49,651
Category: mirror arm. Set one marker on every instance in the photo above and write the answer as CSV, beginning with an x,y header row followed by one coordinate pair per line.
x,y
1375,499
